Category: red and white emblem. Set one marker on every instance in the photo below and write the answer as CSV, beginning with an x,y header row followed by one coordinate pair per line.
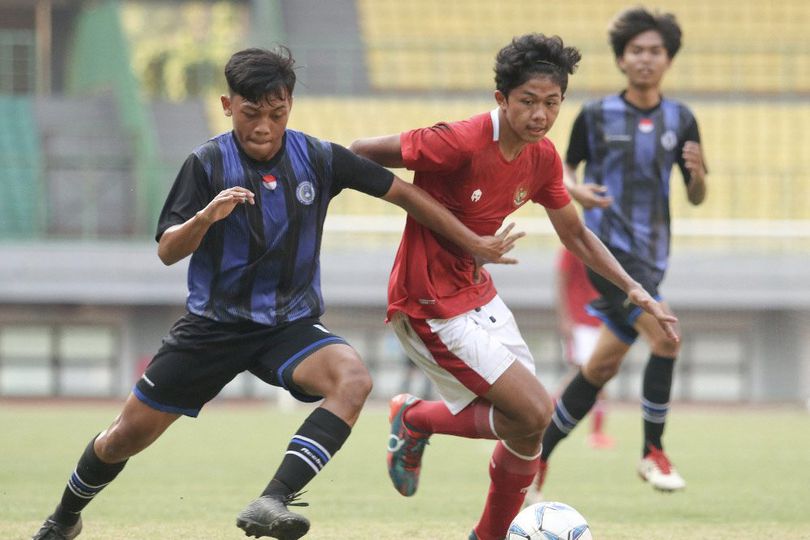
x,y
269,181
645,125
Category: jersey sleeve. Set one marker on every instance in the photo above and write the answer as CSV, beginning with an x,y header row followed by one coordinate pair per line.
x,y
691,133
551,192
437,148
356,172
190,193
578,141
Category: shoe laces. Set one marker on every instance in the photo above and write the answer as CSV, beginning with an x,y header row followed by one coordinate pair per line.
x,y
660,459
292,499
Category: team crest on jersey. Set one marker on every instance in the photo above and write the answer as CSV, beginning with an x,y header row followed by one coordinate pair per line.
x,y
520,195
645,125
305,193
476,195
669,140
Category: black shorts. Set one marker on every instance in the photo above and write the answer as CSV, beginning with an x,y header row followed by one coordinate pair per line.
x,y
610,307
200,356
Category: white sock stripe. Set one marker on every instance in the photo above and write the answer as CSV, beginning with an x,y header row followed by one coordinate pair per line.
x,y
655,406
521,456
79,478
655,419
80,493
560,424
565,416
492,421
304,459
314,443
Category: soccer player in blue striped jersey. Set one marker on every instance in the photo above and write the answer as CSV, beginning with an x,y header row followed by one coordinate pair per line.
x,y
249,207
630,143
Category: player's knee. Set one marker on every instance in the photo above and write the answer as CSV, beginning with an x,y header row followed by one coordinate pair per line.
x,y
354,384
599,374
666,347
116,445
537,417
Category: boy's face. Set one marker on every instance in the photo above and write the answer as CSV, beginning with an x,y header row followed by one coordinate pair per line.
x,y
259,127
531,108
645,60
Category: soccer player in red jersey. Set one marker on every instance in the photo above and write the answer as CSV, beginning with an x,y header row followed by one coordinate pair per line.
x,y
444,307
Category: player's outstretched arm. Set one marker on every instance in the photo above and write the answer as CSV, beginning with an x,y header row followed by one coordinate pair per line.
x,y
427,211
180,241
385,150
585,245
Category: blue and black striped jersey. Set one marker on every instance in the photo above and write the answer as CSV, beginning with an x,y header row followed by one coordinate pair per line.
x,y
632,152
261,263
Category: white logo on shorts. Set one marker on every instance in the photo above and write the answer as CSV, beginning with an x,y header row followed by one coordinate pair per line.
x,y
321,328
476,195
145,378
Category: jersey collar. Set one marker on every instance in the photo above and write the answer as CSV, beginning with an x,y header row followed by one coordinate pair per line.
x,y
496,124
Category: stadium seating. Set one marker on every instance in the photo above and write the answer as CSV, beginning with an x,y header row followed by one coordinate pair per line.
x,y
729,46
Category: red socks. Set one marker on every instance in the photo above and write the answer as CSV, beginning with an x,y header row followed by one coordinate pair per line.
x,y
511,476
473,422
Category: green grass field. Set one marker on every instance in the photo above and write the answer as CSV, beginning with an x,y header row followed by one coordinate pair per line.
x,y
748,474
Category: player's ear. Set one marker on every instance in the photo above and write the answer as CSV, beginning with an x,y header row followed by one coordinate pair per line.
x,y
226,104
620,63
500,99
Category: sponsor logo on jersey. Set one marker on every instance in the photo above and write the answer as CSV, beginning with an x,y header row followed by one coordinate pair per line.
x,y
269,182
645,125
520,195
427,301
669,140
305,193
476,195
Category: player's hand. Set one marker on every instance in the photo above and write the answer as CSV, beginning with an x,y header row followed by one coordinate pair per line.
x,y
591,196
666,320
492,249
693,159
224,203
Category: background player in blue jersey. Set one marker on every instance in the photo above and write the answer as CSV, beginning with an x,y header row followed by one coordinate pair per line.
x,y
249,207
629,143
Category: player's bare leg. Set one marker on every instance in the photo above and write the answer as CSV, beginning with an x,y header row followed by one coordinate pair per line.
x,y
138,426
336,373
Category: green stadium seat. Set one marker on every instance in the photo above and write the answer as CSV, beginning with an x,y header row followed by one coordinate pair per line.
x,y
21,170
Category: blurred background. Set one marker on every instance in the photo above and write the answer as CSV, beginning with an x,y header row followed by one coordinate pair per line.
x,y
102,100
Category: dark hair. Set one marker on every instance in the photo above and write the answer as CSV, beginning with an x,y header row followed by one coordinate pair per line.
x,y
534,54
634,21
255,74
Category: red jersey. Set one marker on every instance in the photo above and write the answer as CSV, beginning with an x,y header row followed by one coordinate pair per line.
x,y
578,289
461,166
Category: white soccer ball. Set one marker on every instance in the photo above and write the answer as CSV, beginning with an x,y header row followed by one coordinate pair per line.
x,y
549,521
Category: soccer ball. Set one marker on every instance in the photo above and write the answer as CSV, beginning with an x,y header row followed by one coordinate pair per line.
x,y
549,521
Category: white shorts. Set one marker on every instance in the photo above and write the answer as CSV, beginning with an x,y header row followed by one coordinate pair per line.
x,y
466,354
583,342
